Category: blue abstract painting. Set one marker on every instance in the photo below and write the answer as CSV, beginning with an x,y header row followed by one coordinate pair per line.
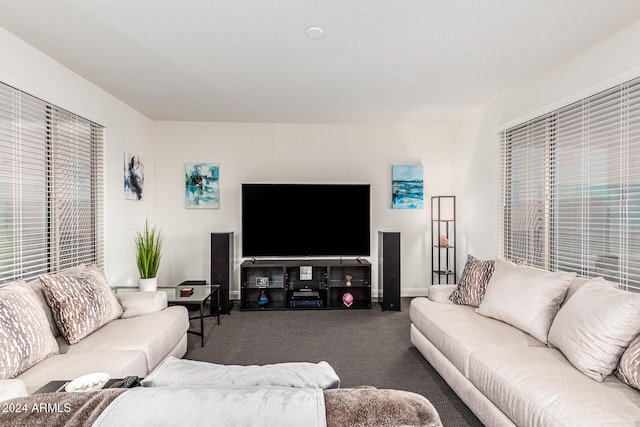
x,y
202,182
407,187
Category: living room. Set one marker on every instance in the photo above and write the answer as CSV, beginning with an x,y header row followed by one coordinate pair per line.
x,y
460,156
456,158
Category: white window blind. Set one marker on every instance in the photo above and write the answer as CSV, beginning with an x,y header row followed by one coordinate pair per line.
x,y
570,188
51,188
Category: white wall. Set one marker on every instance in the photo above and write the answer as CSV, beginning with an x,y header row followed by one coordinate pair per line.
x,y
476,140
28,69
246,153
292,153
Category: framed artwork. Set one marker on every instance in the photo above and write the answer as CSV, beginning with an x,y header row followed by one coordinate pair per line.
x,y
133,177
407,187
202,182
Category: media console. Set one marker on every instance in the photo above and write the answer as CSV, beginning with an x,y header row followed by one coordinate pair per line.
x,y
303,284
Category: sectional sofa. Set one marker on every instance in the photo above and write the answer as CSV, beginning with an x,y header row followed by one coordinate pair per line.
x,y
526,347
70,324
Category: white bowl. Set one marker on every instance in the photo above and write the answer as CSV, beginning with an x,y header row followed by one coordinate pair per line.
x,y
88,382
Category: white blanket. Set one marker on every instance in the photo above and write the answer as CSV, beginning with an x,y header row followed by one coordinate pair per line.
x,y
216,406
176,372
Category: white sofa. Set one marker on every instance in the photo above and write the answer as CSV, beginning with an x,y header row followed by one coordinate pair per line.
x,y
145,334
506,376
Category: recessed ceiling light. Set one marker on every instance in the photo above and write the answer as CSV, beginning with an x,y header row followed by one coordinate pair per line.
x,y
315,32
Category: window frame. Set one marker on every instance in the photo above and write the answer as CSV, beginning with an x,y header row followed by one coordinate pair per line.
x,y
65,226
614,113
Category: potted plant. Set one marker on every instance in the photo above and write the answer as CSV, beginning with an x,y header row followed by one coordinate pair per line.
x,y
148,243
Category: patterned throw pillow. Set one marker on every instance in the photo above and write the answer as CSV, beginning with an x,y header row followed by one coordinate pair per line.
x,y
473,282
82,301
629,368
25,336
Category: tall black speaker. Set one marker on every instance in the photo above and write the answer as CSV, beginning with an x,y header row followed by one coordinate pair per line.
x,y
222,267
389,270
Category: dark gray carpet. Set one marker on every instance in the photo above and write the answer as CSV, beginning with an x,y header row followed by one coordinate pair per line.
x,y
365,347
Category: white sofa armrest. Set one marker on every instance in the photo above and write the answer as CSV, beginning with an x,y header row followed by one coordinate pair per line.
x,y
440,293
10,389
140,303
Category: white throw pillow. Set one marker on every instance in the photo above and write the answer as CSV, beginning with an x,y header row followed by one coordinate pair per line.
x,y
595,326
525,297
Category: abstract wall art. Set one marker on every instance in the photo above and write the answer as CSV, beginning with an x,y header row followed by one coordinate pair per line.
x,y
202,182
133,177
407,187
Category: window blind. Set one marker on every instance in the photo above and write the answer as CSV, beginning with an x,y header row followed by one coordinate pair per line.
x,y
51,188
570,188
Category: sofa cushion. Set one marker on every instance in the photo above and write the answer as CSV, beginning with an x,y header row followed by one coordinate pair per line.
x,y
118,364
82,301
458,331
539,387
440,293
154,334
137,304
595,326
525,297
25,336
473,281
629,367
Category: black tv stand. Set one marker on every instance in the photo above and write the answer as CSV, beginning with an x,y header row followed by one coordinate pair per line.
x,y
305,284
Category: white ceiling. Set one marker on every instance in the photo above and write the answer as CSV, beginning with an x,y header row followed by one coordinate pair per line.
x,y
380,61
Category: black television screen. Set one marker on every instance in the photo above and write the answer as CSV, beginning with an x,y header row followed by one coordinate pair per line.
x,y
286,220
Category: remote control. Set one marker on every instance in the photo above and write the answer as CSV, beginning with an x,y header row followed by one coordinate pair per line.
x,y
130,381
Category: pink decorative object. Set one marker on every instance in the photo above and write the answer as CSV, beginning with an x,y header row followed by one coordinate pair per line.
x,y
349,277
347,299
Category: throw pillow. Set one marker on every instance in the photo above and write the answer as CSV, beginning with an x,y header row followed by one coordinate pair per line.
x,y
525,297
595,326
25,336
629,368
181,372
81,301
473,282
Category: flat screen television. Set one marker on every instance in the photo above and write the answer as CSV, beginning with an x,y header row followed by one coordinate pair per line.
x,y
305,220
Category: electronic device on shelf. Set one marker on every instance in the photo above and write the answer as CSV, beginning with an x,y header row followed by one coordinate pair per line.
x,y
306,303
306,294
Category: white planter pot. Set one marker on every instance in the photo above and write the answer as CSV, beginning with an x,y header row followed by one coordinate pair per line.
x,y
148,285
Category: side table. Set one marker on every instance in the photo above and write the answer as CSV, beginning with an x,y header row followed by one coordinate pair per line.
x,y
201,293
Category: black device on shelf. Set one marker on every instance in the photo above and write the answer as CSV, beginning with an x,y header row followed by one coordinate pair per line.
x,y
304,284
193,283
294,220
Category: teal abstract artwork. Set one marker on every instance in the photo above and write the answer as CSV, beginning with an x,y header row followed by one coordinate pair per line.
x,y
407,187
202,182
